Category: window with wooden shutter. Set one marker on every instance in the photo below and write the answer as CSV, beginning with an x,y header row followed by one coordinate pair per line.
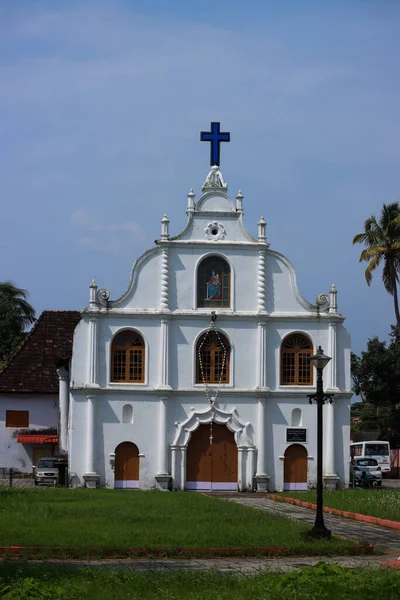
x,y
296,368
17,418
128,358
212,367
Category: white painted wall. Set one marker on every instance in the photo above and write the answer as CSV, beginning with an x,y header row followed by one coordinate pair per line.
x,y
139,308
43,413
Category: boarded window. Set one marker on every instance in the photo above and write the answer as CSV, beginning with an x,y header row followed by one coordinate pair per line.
x,y
127,358
212,358
213,283
17,418
296,351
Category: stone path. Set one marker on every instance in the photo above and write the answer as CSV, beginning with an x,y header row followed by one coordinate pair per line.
x,y
385,539
242,566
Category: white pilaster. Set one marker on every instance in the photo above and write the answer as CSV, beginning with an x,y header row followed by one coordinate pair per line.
x,y
332,354
261,280
174,466
63,396
262,355
241,474
261,436
164,303
251,459
329,413
183,467
92,350
164,354
329,439
90,433
162,437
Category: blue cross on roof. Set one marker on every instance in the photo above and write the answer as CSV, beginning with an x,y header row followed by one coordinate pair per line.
x,y
215,136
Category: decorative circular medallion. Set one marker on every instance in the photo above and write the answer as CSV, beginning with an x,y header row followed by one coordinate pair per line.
x,y
215,231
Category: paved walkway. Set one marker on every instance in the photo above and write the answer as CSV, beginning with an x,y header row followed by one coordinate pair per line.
x,y
242,566
384,539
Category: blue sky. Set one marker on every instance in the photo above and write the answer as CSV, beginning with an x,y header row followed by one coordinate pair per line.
x,y
102,104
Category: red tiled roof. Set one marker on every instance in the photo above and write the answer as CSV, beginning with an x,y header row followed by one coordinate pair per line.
x,y
30,438
33,366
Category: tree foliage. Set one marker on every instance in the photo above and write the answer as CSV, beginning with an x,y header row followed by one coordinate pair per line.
x,y
15,315
381,239
376,378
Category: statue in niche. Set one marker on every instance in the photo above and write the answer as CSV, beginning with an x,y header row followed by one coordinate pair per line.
x,y
215,179
214,291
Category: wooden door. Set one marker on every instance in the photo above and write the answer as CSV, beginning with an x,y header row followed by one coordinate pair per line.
x,y
212,464
295,470
126,466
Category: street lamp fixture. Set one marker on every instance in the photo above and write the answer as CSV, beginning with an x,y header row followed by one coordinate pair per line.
x,y
319,361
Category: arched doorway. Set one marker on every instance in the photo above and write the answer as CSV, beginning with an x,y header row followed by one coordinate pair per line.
x,y
212,466
295,471
126,466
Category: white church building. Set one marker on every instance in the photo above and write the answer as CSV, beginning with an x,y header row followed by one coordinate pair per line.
x,y
198,376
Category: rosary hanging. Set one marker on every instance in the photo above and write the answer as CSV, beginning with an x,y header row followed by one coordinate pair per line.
x,y
212,338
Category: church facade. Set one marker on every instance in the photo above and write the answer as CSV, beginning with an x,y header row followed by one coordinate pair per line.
x,y
198,376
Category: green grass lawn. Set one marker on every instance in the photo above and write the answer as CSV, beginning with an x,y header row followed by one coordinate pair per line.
x,y
121,519
383,503
325,582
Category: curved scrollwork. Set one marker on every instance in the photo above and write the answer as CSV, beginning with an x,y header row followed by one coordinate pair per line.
x,y
103,296
322,302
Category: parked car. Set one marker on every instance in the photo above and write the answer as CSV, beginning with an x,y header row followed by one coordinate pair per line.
x,y
368,469
46,471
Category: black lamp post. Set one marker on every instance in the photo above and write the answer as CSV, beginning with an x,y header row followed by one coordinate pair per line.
x,y
320,360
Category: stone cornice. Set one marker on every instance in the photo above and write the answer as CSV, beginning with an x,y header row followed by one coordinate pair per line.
x,y
207,243
294,393
226,314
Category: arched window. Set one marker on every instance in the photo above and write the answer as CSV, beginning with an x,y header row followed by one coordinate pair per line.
x,y
127,357
213,282
212,358
296,368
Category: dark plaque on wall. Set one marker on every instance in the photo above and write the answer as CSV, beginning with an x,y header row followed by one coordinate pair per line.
x,y
296,435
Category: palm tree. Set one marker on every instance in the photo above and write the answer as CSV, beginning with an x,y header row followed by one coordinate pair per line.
x,y
17,298
382,241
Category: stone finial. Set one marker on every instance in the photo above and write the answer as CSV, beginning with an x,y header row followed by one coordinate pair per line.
x,y
164,228
93,294
191,196
333,299
239,201
262,226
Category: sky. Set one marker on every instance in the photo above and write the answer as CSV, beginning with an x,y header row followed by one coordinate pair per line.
x,y
102,104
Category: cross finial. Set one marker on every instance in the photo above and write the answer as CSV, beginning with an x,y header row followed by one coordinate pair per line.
x,y
215,137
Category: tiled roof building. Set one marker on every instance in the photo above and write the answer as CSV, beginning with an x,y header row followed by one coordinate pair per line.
x,y
33,366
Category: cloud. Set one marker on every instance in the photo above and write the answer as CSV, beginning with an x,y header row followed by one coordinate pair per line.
x,y
111,237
